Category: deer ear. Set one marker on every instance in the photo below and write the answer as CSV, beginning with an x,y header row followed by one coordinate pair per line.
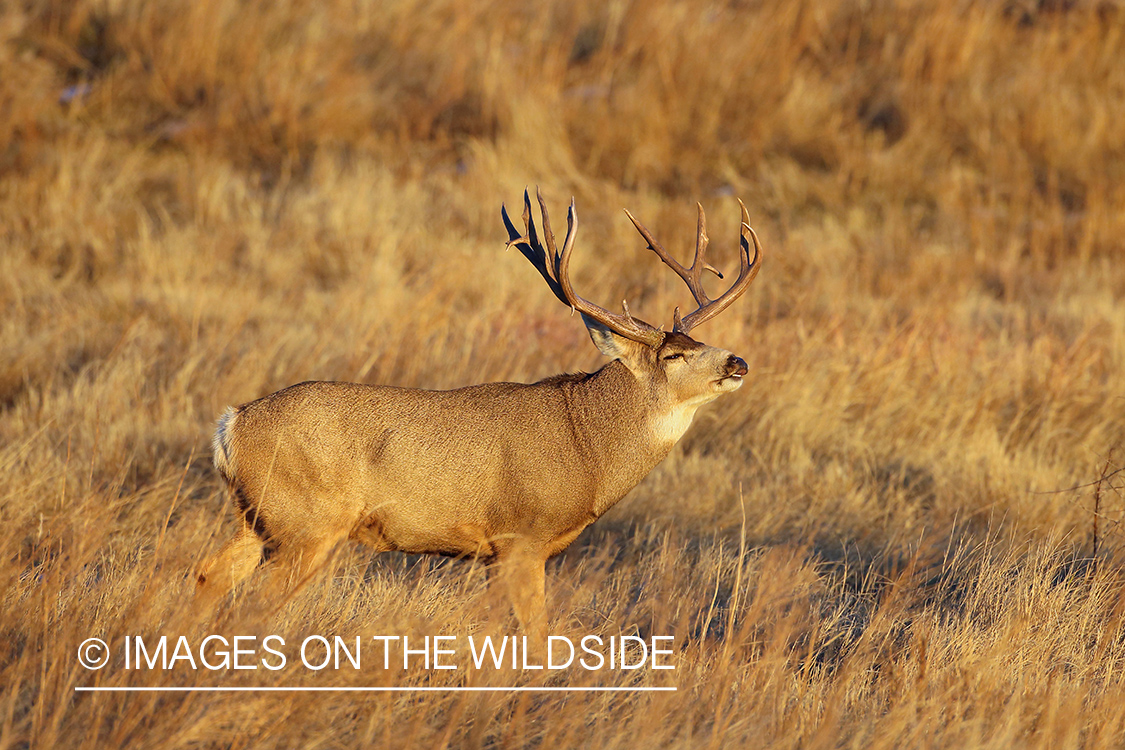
x,y
608,342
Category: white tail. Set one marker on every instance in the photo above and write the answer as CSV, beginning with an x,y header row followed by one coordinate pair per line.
x,y
221,444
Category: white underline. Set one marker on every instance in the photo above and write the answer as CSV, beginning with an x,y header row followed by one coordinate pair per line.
x,y
513,689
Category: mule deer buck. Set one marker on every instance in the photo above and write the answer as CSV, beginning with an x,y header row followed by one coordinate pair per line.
x,y
504,472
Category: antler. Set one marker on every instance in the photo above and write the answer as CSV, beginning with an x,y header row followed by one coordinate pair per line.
x,y
553,267
708,308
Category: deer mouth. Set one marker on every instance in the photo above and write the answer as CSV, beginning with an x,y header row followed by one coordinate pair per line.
x,y
736,368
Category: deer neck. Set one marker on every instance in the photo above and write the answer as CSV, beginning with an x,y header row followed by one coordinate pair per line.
x,y
620,430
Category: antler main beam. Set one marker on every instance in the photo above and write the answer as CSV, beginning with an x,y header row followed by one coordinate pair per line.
x,y
553,266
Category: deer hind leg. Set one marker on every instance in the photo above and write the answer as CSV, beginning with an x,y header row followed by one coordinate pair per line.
x,y
233,564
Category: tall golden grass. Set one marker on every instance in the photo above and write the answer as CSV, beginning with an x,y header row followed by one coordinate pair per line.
x,y
904,530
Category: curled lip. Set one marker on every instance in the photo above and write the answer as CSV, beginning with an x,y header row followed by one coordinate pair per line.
x,y
738,371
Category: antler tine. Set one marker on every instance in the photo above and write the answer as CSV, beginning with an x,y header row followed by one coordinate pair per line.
x,y
701,248
657,248
547,254
748,270
562,262
548,233
553,266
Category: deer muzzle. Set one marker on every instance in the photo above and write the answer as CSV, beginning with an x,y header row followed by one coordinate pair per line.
x,y
736,367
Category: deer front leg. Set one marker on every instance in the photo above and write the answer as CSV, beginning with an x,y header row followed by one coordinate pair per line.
x,y
234,563
524,574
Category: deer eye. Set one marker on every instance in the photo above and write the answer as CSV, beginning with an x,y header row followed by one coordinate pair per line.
x,y
670,357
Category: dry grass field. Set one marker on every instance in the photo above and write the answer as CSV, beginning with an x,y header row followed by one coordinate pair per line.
x,y
904,530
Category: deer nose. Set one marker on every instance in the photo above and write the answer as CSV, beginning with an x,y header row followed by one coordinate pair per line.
x,y
737,366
